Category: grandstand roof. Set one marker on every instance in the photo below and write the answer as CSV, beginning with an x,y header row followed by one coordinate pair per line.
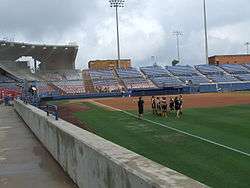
x,y
51,56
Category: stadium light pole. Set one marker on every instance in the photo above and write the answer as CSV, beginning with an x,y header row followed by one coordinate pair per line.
x,y
178,34
247,45
205,28
117,4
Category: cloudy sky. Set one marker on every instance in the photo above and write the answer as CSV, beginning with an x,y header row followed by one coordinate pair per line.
x,y
146,27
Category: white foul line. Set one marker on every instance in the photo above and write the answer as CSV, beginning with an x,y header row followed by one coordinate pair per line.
x,y
177,130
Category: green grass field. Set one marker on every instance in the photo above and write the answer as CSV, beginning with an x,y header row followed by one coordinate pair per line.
x,y
208,163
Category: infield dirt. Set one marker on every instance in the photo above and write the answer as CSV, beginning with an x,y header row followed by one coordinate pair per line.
x,y
190,101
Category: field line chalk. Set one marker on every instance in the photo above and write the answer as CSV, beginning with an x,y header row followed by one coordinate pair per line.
x,y
177,130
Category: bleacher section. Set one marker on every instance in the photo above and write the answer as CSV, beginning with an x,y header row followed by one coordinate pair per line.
x,y
106,85
155,71
196,80
203,78
66,81
188,74
72,75
101,74
160,76
52,76
247,65
243,77
166,81
235,69
71,87
137,83
222,78
104,80
44,89
216,74
133,79
128,73
209,69
182,70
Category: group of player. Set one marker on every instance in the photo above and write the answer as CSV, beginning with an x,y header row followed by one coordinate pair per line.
x,y
162,107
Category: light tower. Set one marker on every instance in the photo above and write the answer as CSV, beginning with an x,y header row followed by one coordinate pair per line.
x,y
178,34
247,45
205,28
117,4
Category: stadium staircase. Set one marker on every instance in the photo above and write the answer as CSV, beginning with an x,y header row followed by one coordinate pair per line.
x,y
120,82
88,83
172,75
149,81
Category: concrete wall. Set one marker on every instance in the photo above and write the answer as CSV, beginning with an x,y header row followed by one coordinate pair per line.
x,y
93,162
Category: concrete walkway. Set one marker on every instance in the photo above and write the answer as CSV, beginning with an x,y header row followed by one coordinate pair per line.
x,y
24,163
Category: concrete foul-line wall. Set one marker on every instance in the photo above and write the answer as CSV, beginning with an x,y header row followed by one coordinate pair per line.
x,y
93,162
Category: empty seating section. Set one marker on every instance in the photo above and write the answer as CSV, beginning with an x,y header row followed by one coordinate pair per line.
x,y
243,77
235,69
182,70
44,88
155,71
137,83
188,74
101,74
128,73
52,76
62,75
104,80
69,81
194,79
222,78
166,81
216,74
71,87
73,75
106,85
247,65
160,76
133,79
209,69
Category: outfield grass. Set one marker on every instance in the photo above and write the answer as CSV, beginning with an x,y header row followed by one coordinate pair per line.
x,y
210,164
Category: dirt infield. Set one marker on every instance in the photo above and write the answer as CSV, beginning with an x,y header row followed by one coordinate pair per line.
x,y
190,101
66,113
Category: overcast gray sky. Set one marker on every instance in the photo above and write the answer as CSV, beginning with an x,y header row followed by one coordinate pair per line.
x,y
146,27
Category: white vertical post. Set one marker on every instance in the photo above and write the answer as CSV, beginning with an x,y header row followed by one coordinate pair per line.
x,y
205,28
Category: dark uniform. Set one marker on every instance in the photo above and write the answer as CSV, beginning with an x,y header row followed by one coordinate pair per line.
x,y
177,104
181,104
153,105
164,105
140,107
171,104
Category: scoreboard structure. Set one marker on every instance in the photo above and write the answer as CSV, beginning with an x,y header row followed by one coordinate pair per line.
x,y
109,64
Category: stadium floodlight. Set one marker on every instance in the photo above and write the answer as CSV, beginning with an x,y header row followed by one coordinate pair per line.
x,y
117,4
178,34
247,46
205,28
